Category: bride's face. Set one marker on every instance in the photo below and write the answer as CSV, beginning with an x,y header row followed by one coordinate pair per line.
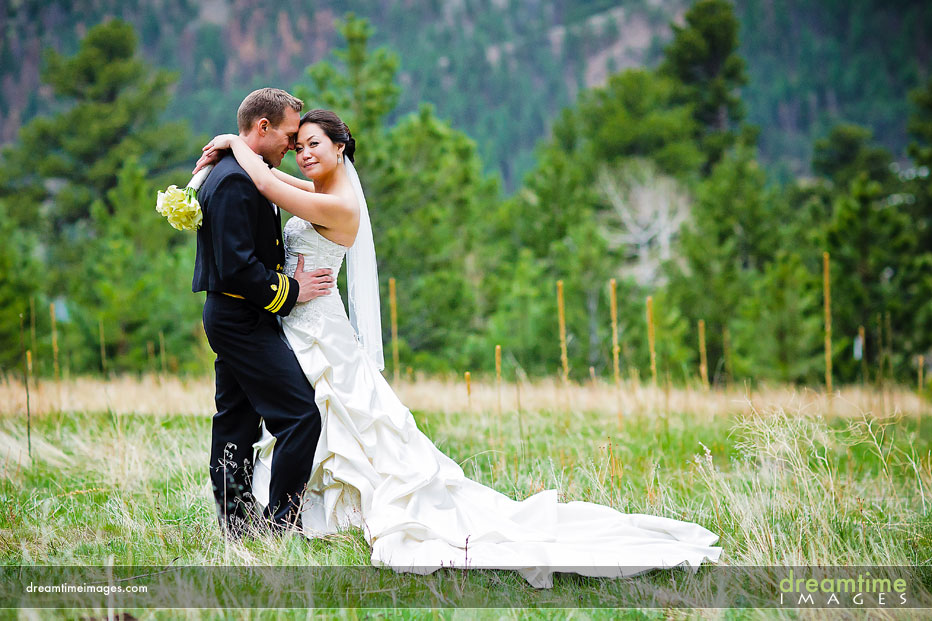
x,y
315,153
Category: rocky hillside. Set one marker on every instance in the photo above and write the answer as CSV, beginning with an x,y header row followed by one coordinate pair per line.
x,y
498,69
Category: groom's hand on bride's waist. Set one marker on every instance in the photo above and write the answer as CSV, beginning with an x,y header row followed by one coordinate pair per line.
x,y
312,284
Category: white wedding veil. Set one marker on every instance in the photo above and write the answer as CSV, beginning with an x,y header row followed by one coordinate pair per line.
x,y
362,279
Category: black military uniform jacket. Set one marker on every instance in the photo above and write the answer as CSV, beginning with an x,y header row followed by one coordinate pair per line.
x,y
239,245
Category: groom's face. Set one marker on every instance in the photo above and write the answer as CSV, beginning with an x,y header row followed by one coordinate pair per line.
x,y
279,140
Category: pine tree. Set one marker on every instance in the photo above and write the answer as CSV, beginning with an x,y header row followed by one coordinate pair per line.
x,y
778,328
428,199
919,189
873,247
61,165
560,217
361,87
636,114
136,274
846,152
920,125
703,58
524,320
725,246
20,277
59,182
916,201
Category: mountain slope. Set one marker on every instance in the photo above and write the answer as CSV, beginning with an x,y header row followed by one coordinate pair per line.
x,y
499,69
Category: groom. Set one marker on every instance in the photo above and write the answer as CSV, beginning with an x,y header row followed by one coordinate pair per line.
x,y
240,256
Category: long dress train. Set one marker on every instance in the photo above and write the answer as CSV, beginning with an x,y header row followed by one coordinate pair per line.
x,y
373,468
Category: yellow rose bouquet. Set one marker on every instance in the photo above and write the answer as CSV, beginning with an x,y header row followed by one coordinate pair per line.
x,y
180,207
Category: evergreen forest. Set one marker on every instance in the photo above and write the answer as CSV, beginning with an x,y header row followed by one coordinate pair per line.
x,y
688,172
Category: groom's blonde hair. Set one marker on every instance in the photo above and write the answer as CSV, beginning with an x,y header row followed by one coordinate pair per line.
x,y
269,103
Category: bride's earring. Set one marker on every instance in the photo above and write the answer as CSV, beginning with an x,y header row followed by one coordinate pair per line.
x,y
339,159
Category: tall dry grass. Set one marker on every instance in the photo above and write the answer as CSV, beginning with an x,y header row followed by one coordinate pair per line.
x,y
153,394
785,476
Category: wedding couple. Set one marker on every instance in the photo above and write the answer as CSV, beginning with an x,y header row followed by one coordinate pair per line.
x,y
307,430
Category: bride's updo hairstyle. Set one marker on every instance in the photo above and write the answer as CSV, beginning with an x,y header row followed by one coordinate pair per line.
x,y
335,129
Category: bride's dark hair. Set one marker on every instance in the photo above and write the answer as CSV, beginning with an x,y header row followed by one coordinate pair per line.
x,y
335,129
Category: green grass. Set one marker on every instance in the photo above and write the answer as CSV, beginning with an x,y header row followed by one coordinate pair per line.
x,y
780,488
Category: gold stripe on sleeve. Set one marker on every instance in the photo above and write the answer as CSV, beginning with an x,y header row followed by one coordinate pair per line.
x,y
278,296
283,290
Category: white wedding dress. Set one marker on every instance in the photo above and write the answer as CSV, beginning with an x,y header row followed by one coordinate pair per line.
x,y
373,468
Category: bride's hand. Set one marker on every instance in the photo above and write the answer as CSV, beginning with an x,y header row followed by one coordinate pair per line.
x,y
212,151
220,141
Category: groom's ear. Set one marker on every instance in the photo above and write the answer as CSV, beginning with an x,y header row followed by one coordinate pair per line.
x,y
263,125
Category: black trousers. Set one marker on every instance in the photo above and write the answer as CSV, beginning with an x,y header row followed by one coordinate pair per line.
x,y
257,376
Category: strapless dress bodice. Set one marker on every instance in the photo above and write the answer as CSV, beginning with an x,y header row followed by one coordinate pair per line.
x,y
301,238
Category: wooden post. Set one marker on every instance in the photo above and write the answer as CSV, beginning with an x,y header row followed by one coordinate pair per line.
x,y
523,443
162,353
726,353
393,304
703,359
922,365
650,340
881,364
888,328
881,351
32,323
22,343
55,365
826,286
561,315
862,334
103,351
616,350
468,391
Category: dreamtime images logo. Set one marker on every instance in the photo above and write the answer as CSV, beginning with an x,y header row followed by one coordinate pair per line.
x,y
826,591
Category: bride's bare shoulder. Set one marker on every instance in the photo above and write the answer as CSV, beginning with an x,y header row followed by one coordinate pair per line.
x,y
348,195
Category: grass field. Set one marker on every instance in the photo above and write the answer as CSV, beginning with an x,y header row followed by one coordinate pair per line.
x,y
786,477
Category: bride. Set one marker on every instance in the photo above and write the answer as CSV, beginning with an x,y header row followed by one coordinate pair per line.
x,y
373,468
